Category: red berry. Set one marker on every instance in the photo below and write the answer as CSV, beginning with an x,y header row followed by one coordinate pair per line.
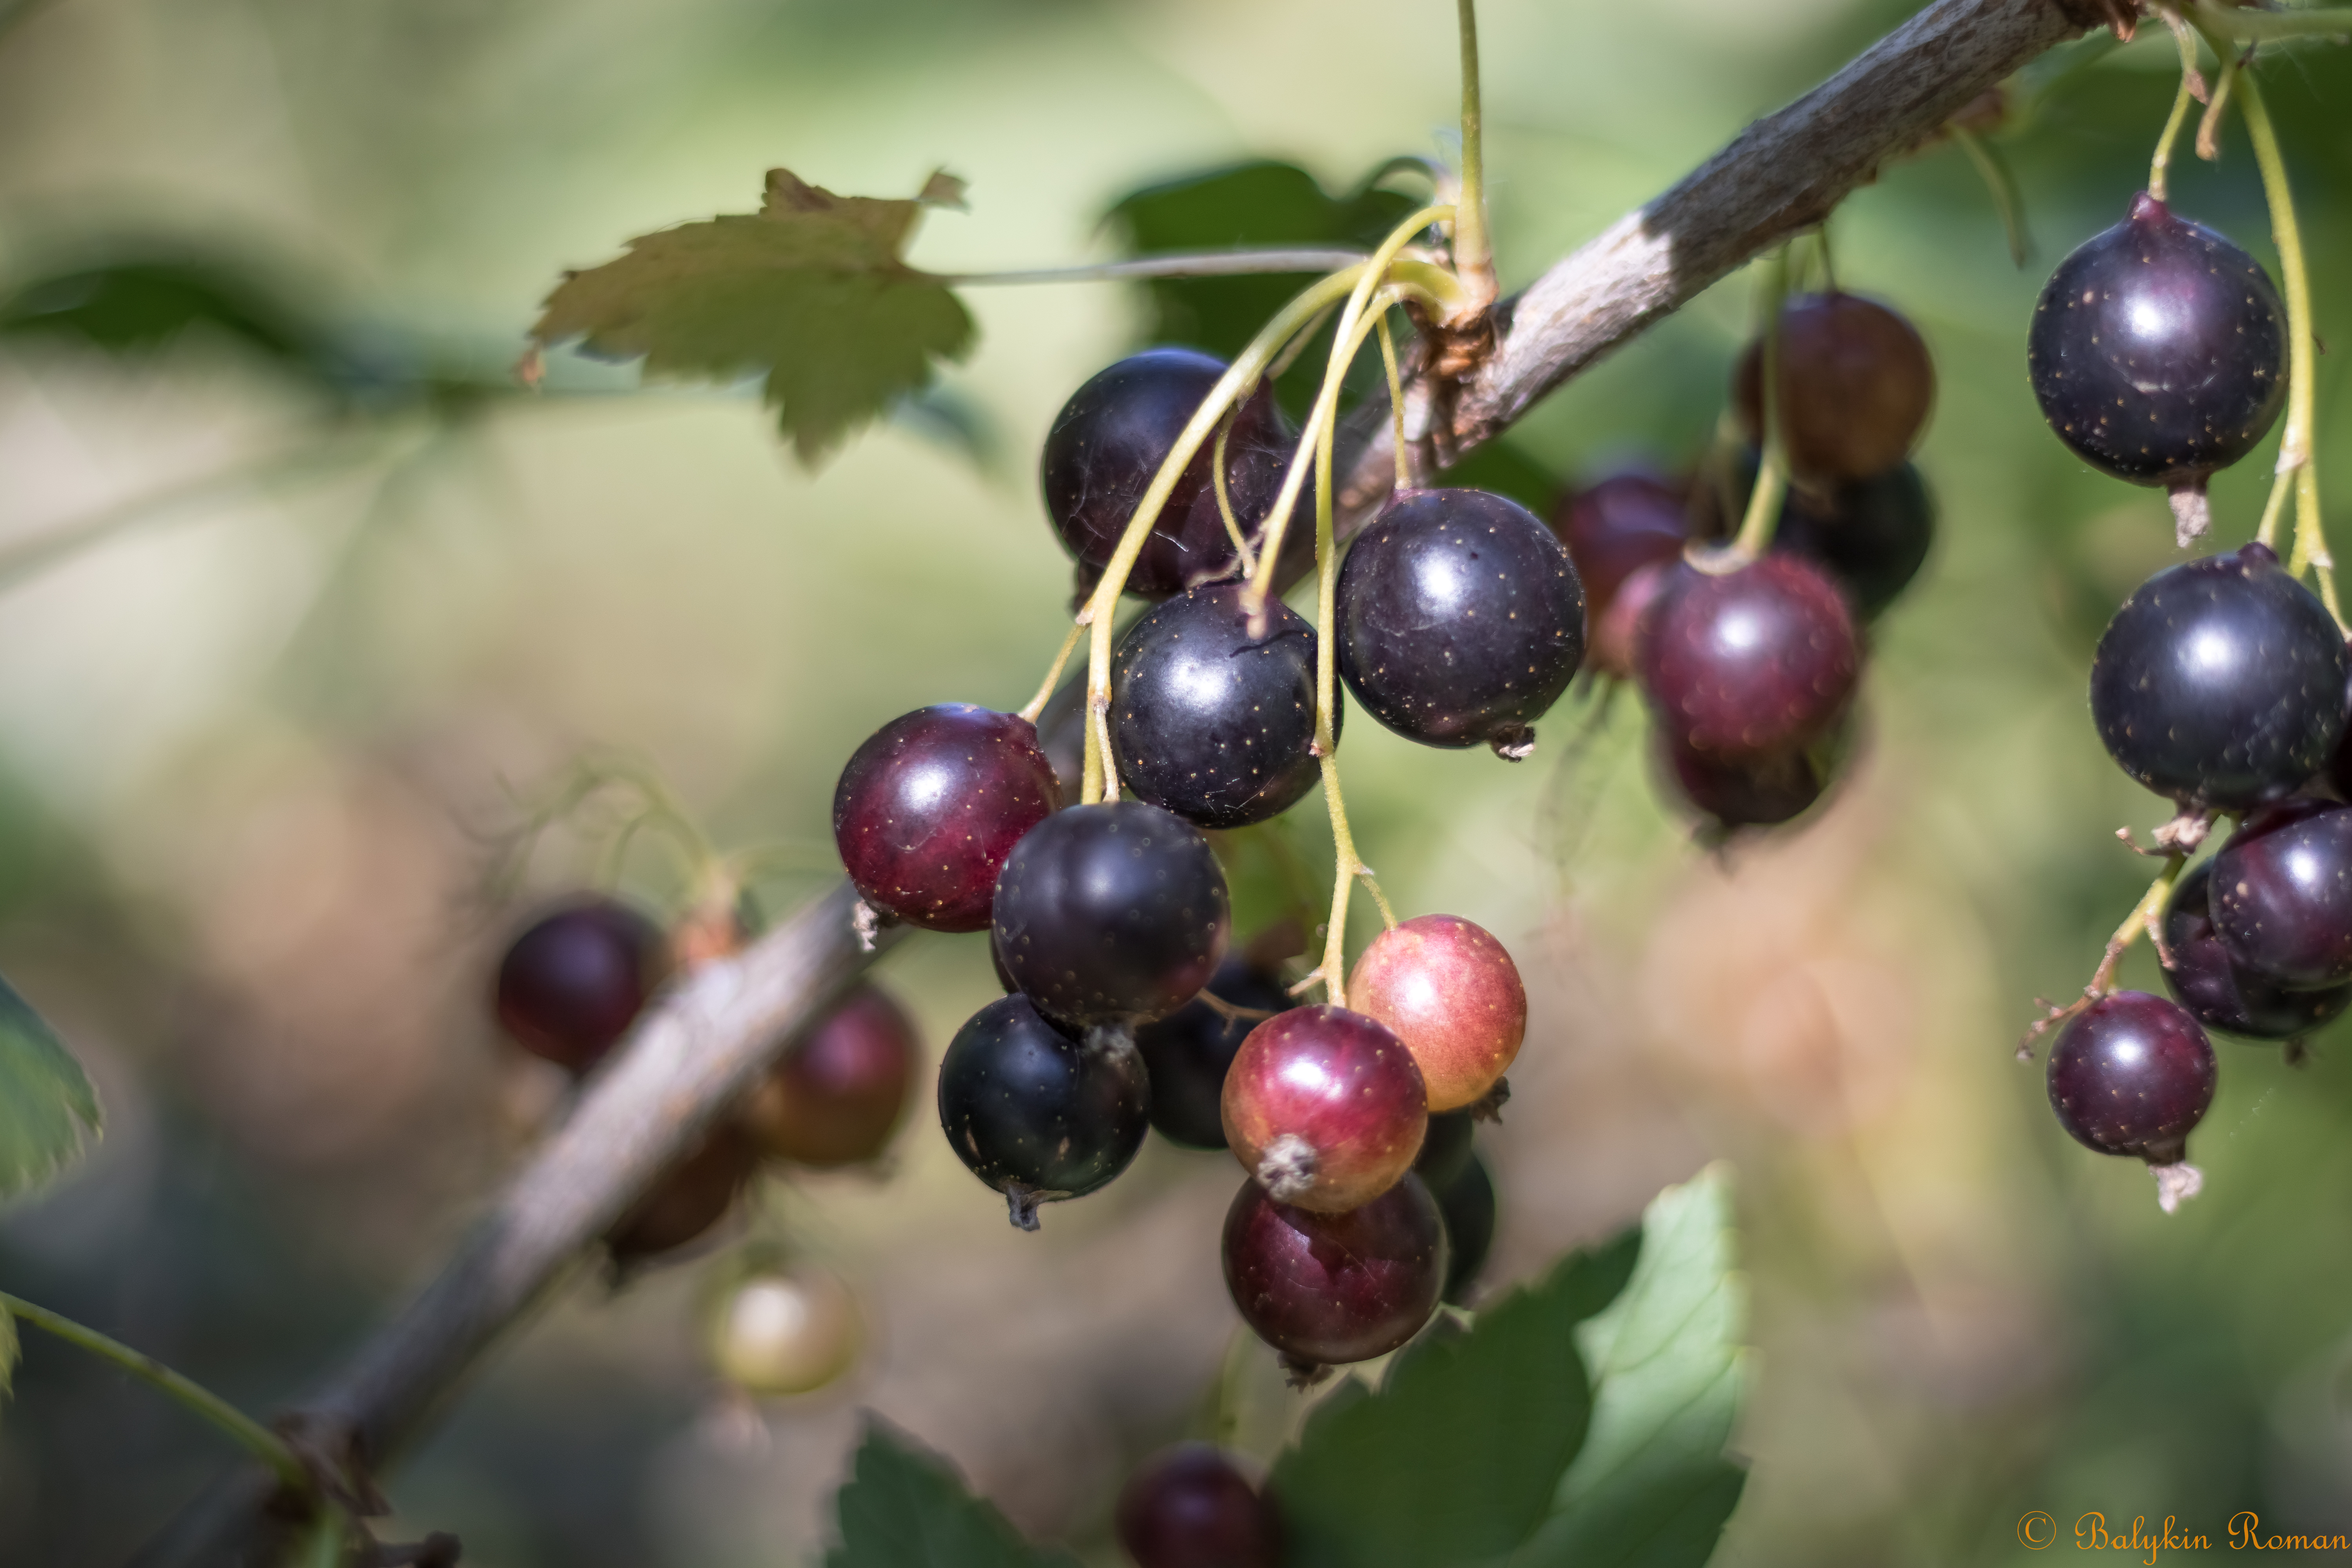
x,y
1450,992
1191,1507
1325,1108
573,983
1855,386
693,1195
1752,662
838,1094
930,806
1336,1287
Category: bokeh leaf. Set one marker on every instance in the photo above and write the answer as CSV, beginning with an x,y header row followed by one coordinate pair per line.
x,y
138,303
1458,1456
9,1351
46,1105
1503,466
812,290
903,1507
1653,1487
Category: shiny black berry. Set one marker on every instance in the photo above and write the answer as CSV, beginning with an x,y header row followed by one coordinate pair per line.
x,y
1212,709
2281,894
1189,1051
1461,619
1114,913
2131,1074
2159,350
2222,993
1872,536
2221,682
1108,442
1037,1114
1467,1206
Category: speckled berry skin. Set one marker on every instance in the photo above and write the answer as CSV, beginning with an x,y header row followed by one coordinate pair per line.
x,y
2158,348
1190,1506
931,804
1461,618
2132,1074
1856,384
1027,1106
1328,1288
2221,682
2221,993
1325,1107
1212,713
1115,913
2281,894
1750,663
1447,989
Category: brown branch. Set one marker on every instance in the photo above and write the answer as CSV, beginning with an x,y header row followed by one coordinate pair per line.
x,y
709,1041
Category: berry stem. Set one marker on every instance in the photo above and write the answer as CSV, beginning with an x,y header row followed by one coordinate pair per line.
x,y
2209,129
2147,918
1037,705
1396,404
264,1444
1764,502
2162,164
1225,497
1473,262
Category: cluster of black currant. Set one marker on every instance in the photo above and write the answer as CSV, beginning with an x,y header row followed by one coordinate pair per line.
x,y
2160,354
1750,655
1460,620
570,986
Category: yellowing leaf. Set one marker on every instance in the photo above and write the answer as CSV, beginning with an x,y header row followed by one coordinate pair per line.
x,y
812,290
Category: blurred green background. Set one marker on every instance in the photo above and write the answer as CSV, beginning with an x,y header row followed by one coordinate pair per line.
x,y
286,615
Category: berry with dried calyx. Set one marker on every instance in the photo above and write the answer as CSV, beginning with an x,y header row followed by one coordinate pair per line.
x,y
1325,1108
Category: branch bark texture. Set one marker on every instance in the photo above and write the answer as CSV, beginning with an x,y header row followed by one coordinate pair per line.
x,y
703,1046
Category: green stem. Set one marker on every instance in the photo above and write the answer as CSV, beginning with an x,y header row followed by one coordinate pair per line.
x,y
1473,259
264,1444
1771,472
1236,263
1396,404
2162,164
1037,705
2331,22
1225,496
1242,374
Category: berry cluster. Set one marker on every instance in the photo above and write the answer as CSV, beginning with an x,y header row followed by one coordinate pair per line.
x,y
2159,353
1750,656
1458,619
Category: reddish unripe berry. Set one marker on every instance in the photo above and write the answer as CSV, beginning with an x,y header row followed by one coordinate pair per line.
x,y
573,983
1750,662
930,806
1450,992
838,1094
1326,1288
1191,1507
691,1197
1855,386
2131,1074
1325,1107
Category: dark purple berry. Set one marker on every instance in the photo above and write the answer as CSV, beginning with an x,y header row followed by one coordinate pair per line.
x,y
1755,662
837,1096
2131,1074
1113,913
1189,1051
1754,791
1467,1205
1190,1506
1334,1287
575,980
1108,442
1461,619
930,806
1037,1113
1872,536
1856,386
692,1196
2221,682
2281,894
1621,531
2159,350
1213,709
1445,1152
2224,994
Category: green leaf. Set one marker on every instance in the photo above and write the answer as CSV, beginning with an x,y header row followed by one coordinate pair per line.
x,y
1653,1488
812,290
905,1508
1457,1457
1255,204
46,1105
9,1351
138,303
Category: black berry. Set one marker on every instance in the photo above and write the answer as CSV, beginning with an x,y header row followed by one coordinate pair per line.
x,y
2281,894
1461,619
2131,1074
1872,536
836,1097
1037,1113
687,1200
1191,1507
1751,792
2224,994
1189,1051
2221,682
575,980
1467,1206
1622,532
1213,709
